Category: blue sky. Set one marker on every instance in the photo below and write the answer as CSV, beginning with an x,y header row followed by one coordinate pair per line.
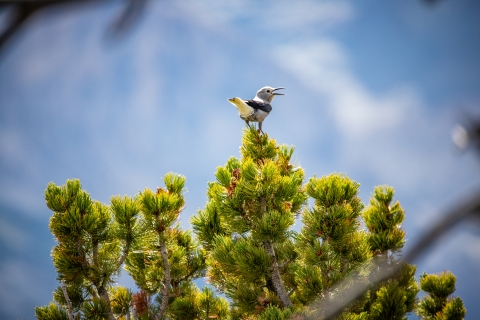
x,y
373,88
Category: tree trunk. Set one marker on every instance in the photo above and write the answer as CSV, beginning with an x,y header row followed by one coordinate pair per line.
x,y
276,278
67,298
102,292
166,281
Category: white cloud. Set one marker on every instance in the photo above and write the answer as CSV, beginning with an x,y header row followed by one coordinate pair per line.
x,y
283,16
390,137
322,66
279,16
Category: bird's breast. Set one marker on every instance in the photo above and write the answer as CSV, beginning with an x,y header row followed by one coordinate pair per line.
x,y
257,116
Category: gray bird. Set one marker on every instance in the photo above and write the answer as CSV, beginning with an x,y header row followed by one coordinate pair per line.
x,y
257,109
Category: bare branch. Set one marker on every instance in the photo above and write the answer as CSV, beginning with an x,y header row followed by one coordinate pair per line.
x,y
276,277
69,303
166,281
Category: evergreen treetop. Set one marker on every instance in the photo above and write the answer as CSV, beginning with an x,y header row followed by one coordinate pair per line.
x,y
245,245
438,302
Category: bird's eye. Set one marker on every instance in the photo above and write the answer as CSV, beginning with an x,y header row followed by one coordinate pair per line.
x,y
268,91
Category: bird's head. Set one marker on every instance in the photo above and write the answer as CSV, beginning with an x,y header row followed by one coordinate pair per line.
x,y
268,93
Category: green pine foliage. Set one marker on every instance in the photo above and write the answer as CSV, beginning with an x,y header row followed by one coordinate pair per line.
x,y
330,244
245,226
244,244
383,219
395,298
93,240
274,313
390,302
121,300
51,312
156,270
95,309
76,294
196,304
141,234
438,302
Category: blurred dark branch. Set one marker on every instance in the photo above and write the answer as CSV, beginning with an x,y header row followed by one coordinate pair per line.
x,y
475,136
22,10
468,135
129,17
467,208
431,2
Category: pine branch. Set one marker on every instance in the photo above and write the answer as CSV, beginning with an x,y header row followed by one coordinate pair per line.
x,y
95,253
134,311
281,266
276,278
124,255
187,276
166,281
69,303
102,292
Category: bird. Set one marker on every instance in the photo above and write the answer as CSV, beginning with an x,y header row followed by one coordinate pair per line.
x,y
257,109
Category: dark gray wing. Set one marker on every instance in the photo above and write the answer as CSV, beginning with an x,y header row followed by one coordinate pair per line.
x,y
259,105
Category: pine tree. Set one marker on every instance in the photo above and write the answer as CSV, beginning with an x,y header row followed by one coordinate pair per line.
x,y
271,272
154,268
95,240
438,303
330,243
244,244
396,297
245,226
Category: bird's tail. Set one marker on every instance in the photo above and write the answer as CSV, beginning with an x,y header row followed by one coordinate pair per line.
x,y
242,107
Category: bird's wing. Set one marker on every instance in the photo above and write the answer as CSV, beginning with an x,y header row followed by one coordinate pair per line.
x,y
259,105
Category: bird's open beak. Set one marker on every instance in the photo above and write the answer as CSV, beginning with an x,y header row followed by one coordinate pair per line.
x,y
277,93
